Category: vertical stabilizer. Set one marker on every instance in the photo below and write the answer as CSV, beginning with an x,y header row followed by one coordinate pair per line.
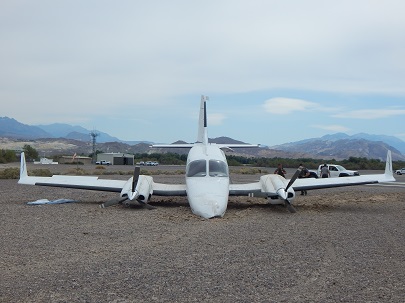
x,y
388,165
23,167
202,122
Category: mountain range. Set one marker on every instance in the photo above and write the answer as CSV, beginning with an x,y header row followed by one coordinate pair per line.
x,y
11,128
342,146
65,138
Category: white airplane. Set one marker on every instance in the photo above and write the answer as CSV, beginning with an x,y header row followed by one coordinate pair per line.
x,y
207,184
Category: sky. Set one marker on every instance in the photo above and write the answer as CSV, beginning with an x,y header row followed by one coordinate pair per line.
x,y
275,71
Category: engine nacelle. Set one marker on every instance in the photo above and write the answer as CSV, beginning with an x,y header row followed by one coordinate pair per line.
x,y
276,184
143,189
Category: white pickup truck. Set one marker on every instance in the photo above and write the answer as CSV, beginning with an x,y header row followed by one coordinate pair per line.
x,y
400,171
338,171
103,162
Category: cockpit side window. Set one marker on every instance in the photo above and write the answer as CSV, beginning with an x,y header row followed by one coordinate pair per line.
x,y
197,168
218,168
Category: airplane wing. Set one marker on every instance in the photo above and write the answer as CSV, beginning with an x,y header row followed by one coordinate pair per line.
x,y
79,182
311,183
274,185
138,187
254,189
160,189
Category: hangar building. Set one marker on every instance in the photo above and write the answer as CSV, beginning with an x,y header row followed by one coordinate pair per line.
x,y
116,158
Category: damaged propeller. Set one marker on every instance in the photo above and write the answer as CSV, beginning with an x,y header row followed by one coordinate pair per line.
x,y
135,180
287,202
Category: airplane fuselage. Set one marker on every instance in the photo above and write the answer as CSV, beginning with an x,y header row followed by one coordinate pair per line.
x,y
207,180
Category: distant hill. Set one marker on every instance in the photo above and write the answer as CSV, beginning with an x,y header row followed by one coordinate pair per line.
x,y
341,146
11,128
390,140
64,138
61,130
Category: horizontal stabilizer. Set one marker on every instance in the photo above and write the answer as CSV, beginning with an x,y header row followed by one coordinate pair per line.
x,y
186,145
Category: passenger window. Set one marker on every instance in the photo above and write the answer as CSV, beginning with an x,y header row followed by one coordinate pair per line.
x,y
197,168
218,168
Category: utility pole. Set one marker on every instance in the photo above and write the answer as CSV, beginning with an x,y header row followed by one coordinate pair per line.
x,y
94,134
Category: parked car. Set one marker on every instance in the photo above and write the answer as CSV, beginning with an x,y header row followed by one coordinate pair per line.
x,y
313,174
338,171
140,163
151,163
400,171
103,162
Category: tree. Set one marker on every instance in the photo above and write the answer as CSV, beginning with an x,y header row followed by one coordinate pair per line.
x,y
7,156
30,152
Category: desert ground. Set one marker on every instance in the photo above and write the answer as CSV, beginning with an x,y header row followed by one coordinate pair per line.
x,y
342,245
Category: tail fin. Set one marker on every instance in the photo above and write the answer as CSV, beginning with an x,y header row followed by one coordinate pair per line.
x,y
202,122
388,165
23,167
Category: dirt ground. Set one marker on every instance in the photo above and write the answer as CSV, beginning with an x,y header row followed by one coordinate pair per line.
x,y
342,245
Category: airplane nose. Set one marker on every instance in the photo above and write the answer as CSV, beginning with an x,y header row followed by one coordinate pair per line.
x,y
208,197
209,207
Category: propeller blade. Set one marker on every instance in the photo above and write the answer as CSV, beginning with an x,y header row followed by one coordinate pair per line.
x,y
289,206
135,178
146,205
294,177
113,202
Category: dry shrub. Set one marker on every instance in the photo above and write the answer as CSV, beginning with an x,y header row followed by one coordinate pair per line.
x,y
248,171
10,173
41,172
77,171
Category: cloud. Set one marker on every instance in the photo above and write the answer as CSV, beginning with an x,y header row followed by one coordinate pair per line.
x,y
335,128
135,57
286,106
215,119
371,113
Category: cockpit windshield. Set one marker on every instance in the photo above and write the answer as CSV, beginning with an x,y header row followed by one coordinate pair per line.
x,y
218,168
197,168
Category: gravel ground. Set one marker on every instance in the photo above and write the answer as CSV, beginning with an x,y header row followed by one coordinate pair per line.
x,y
342,245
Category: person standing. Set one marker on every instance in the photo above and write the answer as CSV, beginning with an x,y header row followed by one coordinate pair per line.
x,y
280,170
303,174
325,173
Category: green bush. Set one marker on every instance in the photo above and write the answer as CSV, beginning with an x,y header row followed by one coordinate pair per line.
x,y
7,156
